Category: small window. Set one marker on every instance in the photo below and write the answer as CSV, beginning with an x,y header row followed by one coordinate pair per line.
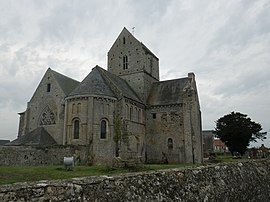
x,y
124,40
125,62
170,143
103,129
130,113
76,129
154,115
48,87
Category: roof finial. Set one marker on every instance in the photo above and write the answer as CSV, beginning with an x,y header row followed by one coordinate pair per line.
x,y
133,29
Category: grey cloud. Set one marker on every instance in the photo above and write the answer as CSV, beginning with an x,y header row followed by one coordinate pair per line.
x,y
226,44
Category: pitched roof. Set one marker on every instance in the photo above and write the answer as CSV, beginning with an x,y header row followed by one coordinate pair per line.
x,y
93,83
219,143
147,50
67,84
167,92
39,136
101,82
120,84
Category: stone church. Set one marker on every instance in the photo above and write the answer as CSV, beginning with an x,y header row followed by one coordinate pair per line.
x,y
124,111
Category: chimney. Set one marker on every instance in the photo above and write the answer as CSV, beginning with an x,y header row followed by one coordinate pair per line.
x,y
192,76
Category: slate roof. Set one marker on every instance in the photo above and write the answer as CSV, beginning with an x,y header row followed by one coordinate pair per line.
x,y
93,83
167,92
121,85
39,136
67,84
101,82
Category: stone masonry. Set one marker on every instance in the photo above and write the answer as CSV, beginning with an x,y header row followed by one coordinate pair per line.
x,y
125,111
238,181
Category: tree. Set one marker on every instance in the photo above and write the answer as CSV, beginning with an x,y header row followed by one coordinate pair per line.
x,y
237,130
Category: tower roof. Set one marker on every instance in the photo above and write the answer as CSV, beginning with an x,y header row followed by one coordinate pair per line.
x,y
124,32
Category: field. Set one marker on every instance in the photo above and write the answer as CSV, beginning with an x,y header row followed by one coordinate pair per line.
x,y
9,174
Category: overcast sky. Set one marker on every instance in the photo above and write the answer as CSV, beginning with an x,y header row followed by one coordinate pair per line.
x,y
225,43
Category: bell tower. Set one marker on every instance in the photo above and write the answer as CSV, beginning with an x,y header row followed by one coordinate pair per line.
x,y
134,62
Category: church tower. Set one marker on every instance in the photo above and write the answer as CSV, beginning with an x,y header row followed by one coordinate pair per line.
x,y
131,60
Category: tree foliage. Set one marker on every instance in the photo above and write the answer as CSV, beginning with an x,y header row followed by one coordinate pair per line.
x,y
237,130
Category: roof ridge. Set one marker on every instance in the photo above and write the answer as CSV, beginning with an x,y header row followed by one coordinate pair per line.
x,y
101,70
171,80
88,84
105,73
66,87
60,74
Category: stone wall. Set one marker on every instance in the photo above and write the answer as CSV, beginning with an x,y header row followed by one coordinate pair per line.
x,y
239,181
167,123
33,156
45,105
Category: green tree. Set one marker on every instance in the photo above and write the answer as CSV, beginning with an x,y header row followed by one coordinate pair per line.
x,y
237,130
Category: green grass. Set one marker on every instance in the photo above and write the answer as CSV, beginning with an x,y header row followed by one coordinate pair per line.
x,y
9,174
225,158
228,158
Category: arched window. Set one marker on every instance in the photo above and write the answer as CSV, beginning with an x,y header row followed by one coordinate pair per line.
x,y
170,143
76,129
103,129
124,40
125,62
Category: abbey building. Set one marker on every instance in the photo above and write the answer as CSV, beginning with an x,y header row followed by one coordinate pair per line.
x,y
123,111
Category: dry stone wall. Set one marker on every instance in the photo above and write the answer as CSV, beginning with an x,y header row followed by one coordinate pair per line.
x,y
239,181
38,156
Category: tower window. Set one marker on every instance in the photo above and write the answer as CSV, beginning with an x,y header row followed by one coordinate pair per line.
x,y
125,62
103,129
76,129
48,87
124,40
154,115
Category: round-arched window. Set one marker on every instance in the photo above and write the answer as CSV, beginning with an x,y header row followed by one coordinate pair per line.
x,y
76,129
170,143
103,129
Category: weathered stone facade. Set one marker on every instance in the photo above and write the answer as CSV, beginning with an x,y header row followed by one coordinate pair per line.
x,y
238,181
125,111
46,107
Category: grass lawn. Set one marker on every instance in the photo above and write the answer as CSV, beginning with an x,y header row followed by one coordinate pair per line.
x,y
229,158
9,174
